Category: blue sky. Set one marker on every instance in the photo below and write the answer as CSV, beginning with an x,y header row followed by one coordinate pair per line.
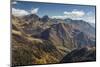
x,y
56,10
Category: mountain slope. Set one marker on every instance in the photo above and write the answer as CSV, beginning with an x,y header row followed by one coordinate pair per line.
x,y
37,51
45,40
83,26
66,35
80,55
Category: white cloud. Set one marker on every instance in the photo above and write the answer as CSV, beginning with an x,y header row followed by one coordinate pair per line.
x,y
14,2
90,19
34,11
74,13
59,17
77,15
19,12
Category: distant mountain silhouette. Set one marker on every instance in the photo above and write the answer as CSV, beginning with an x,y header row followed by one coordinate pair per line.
x,y
45,18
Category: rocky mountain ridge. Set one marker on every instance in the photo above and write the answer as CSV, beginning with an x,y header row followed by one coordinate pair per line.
x,y
45,40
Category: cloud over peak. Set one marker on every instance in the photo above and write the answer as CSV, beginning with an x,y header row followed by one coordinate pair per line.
x,y
74,13
77,15
34,11
71,14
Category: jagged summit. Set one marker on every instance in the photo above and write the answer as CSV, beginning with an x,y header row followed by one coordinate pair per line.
x,y
31,18
45,18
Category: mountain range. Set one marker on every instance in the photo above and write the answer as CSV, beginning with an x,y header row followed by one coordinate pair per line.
x,y
48,40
